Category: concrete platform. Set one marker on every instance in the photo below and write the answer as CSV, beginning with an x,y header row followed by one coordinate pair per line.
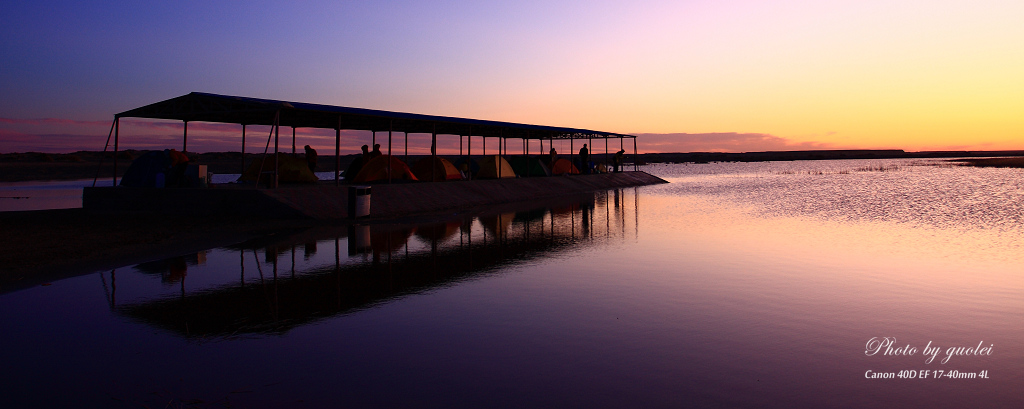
x,y
325,201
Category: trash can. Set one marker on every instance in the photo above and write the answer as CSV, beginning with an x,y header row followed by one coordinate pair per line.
x,y
358,201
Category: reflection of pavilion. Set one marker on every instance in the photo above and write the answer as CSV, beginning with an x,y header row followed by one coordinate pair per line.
x,y
399,260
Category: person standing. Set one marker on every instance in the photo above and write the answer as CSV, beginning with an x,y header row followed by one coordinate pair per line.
x,y
617,160
311,158
585,159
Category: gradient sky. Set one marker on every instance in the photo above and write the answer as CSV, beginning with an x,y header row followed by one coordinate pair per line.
x,y
701,75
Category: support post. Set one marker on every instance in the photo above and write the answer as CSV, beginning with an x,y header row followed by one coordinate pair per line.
x,y
184,143
106,145
117,130
433,153
293,140
337,153
277,159
243,149
636,159
391,126
406,133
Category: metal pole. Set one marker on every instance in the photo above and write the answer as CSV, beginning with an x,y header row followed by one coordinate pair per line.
x,y
277,160
373,140
337,153
433,153
243,148
635,159
497,161
391,126
293,140
571,152
105,146
606,153
184,143
406,133
117,130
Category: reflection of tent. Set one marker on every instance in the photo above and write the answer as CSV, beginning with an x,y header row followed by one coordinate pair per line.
x,y
498,223
563,166
377,169
441,171
529,166
493,165
439,232
291,169
384,239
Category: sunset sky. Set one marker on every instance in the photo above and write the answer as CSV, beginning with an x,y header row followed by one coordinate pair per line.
x,y
705,75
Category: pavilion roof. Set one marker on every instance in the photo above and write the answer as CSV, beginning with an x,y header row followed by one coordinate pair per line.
x,y
205,107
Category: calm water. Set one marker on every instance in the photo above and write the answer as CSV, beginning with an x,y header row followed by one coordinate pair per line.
x,y
737,285
67,194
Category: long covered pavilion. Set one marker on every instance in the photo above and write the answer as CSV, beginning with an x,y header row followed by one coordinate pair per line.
x,y
205,107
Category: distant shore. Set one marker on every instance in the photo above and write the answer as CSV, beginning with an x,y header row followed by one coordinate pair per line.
x,y
29,166
707,157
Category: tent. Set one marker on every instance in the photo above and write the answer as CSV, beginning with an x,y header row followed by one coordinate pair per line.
x,y
530,166
491,166
291,169
377,169
564,166
441,171
144,170
471,165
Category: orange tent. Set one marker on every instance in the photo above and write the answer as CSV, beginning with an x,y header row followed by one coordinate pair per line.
x,y
563,166
442,170
492,165
377,169
291,169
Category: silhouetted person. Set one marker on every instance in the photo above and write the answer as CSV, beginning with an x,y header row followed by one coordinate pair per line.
x,y
376,151
357,164
617,160
554,157
585,159
311,158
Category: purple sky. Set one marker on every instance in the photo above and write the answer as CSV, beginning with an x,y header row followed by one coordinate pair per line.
x,y
741,75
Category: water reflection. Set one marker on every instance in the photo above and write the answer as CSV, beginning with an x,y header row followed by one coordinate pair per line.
x,y
284,281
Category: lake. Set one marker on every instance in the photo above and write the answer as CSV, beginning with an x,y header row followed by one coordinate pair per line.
x,y
779,284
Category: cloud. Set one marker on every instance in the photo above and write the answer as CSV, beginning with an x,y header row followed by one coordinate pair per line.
x,y
51,121
720,142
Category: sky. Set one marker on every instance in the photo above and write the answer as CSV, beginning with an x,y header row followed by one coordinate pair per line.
x,y
684,76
